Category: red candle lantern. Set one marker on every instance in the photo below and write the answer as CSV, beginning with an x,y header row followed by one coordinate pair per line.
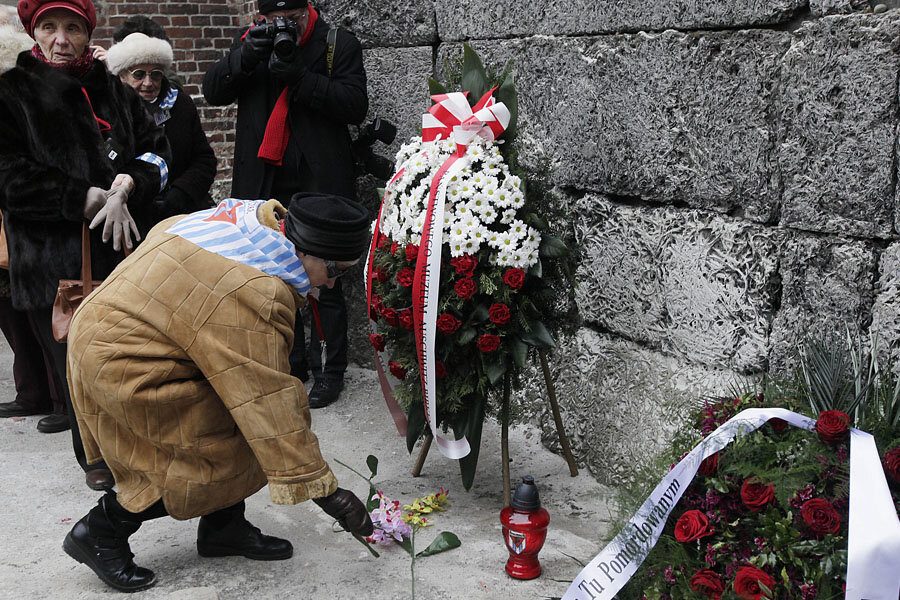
x,y
524,530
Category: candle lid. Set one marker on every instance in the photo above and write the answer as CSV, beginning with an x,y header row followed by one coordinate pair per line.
x,y
526,496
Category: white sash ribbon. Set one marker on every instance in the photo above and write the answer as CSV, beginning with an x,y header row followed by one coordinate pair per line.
x,y
873,561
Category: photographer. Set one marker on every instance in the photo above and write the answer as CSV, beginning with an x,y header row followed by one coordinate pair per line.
x,y
291,134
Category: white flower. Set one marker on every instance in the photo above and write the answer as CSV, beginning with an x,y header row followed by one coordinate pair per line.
x,y
508,216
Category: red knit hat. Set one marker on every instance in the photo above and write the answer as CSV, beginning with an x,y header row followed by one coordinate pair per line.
x,y
30,10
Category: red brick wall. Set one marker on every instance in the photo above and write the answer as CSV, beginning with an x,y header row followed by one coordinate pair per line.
x,y
200,31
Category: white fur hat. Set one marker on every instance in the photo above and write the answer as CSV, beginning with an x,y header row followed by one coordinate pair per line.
x,y
138,49
12,41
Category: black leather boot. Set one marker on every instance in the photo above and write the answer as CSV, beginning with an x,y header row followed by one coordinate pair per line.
x,y
228,533
100,541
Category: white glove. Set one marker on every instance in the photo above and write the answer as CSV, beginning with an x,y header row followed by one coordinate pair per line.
x,y
117,221
94,201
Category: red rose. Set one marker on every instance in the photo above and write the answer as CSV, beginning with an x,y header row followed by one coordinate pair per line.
x,y
833,427
391,317
710,465
383,240
406,319
514,278
464,265
820,516
778,424
394,247
488,343
397,370
756,495
747,583
692,525
405,276
499,313
465,288
708,583
377,341
448,324
440,371
380,274
892,464
412,252
377,305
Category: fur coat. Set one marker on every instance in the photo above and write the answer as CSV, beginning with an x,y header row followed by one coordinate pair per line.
x,y
51,152
178,368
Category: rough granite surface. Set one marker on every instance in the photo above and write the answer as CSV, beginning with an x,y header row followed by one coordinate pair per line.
x,y
669,117
690,283
837,110
459,20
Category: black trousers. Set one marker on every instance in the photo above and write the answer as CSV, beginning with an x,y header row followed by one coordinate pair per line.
x,y
40,320
157,510
35,385
333,314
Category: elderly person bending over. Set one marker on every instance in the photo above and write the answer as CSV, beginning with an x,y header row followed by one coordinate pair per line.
x,y
75,144
181,381
141,59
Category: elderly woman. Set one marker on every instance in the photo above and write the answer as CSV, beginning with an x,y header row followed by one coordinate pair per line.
x,y
185,389
141,59
75,145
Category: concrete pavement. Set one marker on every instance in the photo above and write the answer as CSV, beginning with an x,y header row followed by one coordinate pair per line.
x,y
44,494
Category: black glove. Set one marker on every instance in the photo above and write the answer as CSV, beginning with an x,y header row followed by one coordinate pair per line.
x,y
289,70
256,49
349,511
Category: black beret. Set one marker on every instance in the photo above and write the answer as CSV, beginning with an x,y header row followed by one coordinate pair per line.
x,y
327,226
267,6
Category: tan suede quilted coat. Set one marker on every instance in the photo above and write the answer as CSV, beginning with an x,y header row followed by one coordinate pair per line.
x,y
178,367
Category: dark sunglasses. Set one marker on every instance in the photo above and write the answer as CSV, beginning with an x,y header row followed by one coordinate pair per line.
x,y
139,74
333,271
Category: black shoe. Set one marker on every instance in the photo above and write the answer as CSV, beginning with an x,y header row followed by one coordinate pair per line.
x,y
99,479
14,409
100,541
240,538
325,391
54,423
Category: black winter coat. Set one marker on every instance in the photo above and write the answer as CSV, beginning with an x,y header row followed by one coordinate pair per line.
x,y
51,152
320,110
193,165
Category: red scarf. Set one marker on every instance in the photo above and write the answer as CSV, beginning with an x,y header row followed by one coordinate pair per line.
x,y
275,140
76,67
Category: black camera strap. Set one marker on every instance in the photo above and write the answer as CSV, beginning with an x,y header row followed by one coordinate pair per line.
x,y
329,56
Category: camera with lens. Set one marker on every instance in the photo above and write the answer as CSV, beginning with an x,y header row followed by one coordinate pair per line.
x,y
367,161
283,33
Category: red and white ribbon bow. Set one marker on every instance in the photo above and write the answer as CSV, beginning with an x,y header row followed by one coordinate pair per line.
x,y
451,117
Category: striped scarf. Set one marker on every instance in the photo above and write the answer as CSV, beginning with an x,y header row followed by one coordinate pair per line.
x,y
232,230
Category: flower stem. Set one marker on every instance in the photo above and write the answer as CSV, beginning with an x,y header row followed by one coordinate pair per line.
x,y
412,561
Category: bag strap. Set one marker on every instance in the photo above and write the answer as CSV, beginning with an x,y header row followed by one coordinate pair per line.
x,y
86,279
329,56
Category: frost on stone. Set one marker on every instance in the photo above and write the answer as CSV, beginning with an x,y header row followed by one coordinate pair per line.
x,y
689,283
886,310
620,403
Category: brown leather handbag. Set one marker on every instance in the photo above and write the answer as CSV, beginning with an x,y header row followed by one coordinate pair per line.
x,y
72,291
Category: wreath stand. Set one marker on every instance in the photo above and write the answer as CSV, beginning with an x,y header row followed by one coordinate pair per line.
x,y
504,432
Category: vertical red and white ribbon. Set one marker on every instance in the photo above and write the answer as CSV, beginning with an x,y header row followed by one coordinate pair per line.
x,y
874,530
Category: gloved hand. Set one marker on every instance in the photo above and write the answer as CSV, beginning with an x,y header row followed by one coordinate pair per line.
x,y
94,201
117,221
289,70
349,511
256,48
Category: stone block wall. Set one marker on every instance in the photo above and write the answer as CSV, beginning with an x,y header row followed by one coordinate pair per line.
x,y
729,170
